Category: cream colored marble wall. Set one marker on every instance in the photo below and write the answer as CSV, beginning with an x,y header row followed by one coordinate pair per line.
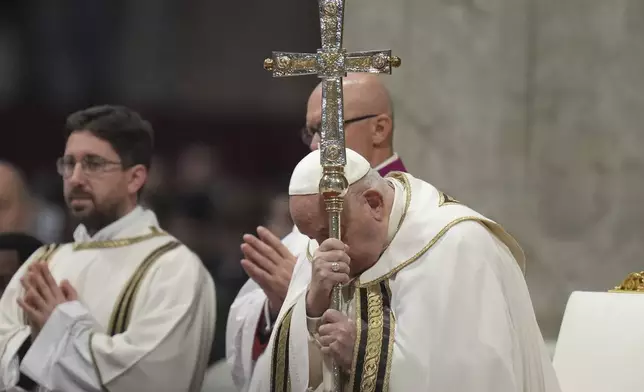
x,y
531,112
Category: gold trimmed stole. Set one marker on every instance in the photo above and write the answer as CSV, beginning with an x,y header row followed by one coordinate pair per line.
x,y
280,378
121,313
373,349
374,344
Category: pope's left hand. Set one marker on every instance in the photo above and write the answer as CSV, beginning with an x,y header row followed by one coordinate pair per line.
x,y
42,295
337,337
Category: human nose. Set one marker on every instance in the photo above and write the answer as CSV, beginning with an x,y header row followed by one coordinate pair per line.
x,y
76,175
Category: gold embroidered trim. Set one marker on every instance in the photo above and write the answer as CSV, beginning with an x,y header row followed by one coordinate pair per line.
x,y
445,199
98,372
280,379
155,232
121,313
48,252
375,328
374,339
402,178
392,338
356,346
422,251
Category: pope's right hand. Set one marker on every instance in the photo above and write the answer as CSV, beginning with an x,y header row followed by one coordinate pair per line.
x,y
330,267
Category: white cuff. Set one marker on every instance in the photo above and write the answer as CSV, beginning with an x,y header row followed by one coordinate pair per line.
x,y
267,317
10,361
312,324
40,361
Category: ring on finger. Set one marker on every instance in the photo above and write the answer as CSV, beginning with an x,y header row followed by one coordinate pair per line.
x,y
335,266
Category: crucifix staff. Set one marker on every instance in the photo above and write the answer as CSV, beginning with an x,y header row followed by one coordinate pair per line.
x,y
331,63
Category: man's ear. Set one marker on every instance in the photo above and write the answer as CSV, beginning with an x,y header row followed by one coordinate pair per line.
x,y
376,202
382,130
138,177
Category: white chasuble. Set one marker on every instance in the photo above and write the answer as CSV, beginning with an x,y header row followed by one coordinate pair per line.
x,y
445,309
144,320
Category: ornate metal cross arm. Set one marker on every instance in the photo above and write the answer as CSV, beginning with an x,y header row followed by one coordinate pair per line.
x,y
284,64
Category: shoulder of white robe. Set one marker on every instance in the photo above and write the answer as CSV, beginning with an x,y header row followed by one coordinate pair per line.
x,y
417,233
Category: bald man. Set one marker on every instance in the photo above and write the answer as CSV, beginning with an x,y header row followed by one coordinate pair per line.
x,y
269,261
14,200
368,124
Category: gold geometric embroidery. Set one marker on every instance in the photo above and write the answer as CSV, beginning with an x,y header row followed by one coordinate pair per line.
x,y
374,339
375,326
120,242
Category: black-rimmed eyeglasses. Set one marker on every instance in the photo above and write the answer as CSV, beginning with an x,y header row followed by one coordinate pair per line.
x,y
90,164
309,132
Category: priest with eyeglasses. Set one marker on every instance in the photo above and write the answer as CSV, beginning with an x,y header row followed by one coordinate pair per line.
x,y
124,307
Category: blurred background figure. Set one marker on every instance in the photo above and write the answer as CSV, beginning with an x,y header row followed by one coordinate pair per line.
x,y
21,211
15,212
15,249
279,220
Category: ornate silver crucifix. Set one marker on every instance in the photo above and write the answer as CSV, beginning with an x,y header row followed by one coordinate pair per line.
x,y
331,63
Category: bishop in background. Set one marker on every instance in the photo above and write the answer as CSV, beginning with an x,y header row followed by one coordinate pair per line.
x,y
434,295
125,307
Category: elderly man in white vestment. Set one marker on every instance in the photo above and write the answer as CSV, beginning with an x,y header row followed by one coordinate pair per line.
x,y
125,307
269,263
434,295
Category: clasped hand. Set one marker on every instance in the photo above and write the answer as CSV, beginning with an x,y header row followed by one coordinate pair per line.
x,y
42,295
337,332
337,336
330,267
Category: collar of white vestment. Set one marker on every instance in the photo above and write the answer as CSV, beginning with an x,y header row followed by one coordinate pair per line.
x,y
137,226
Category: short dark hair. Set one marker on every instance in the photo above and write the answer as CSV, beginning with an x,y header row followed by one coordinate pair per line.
x,y
125,130
24,244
